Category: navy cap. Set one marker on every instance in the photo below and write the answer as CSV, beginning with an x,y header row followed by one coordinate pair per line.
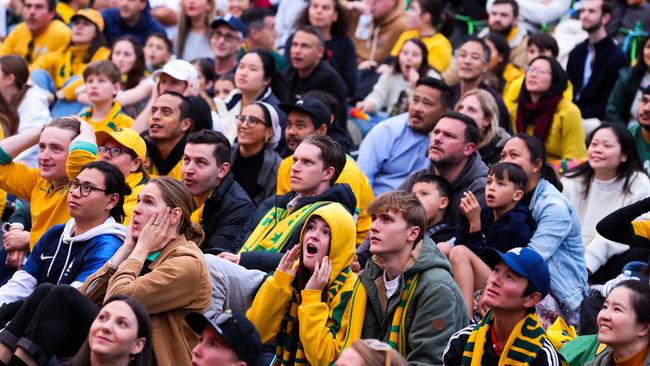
x,y
525,262
231,21
313,107
238,331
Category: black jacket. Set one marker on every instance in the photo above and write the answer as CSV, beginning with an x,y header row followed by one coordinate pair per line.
x,y
326,79
225,213
592,98
268,261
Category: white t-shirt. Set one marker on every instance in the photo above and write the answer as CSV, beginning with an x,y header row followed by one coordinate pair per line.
x,y
391,286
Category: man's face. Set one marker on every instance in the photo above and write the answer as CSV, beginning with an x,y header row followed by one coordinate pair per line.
x,y
130,9
472,61
89,206
425,109
225,42
501,19
36,15
265,37
213,350
165,123
299,126
447,145
308,175
390,233
591,15
504,289
305,51
380,8
53,152
199,169
643,113
166,83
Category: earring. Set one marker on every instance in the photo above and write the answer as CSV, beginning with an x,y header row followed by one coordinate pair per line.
x,y
266,139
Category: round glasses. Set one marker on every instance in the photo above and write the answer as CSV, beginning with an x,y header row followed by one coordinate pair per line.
x,y
84,188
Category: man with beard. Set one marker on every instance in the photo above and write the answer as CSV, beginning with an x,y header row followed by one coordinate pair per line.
x,y
503,19
397,146
594,64
453,156
641,132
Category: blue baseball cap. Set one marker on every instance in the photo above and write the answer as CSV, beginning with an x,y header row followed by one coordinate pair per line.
x,y
231,21
525,262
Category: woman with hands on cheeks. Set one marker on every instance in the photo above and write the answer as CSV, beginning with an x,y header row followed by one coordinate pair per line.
x,y
295,307
161,266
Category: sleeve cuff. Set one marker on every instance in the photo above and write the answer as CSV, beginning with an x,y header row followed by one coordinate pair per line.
x,y
283,279
85,146
310,296
4,157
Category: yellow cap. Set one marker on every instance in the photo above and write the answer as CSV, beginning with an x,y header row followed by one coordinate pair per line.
x,y
125,137
91,14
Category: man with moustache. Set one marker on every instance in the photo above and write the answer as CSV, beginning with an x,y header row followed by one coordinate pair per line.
x,y
503,18
453,156
397,146
641,132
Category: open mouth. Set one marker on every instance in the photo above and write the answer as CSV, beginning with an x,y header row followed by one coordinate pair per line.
x,y
311,249
489,196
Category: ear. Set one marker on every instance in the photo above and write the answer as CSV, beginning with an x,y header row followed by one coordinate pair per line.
x,y
519,194
469,149
135,165
138,346
537,167
11,78
322,130
413,234
444,203
328,174
186,124
623,158
268,133
223,170
321,51
606,18
209,84
175,215
113,201
645,329
532,300
116,87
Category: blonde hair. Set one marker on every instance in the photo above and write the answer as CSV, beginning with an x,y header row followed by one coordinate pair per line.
x,y
185,25
490,111
175,195
375,353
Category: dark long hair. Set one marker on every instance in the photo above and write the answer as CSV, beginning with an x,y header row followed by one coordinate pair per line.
x,y
442,18
136,73
503,48
424,65
640,299
17,66
115,183
339,27
626,169
96,43
145,357
270,72
537,151
641,67
559,80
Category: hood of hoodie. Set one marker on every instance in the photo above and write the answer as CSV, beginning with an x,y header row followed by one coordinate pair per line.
x,y
342,238
340,192
110,226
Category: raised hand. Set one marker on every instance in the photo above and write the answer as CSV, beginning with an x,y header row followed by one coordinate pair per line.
x,y
321,276
156,234
288,263
470,207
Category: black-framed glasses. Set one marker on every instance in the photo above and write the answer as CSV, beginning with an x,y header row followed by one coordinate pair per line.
x,y
114,151
251,121
84,188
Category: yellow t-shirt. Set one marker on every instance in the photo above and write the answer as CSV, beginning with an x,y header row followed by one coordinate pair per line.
x,y
65,11
55,38
116,118
136,182
351,175
439,47
174,173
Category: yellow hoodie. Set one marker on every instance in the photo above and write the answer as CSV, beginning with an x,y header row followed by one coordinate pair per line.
x,y
322,325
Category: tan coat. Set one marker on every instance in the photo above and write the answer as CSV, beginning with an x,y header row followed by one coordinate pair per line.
x,y
383,34
176,284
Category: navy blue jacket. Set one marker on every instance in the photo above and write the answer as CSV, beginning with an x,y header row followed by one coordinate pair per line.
x,y
115,27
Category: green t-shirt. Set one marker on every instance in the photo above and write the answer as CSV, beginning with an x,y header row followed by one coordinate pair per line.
x,y
642,146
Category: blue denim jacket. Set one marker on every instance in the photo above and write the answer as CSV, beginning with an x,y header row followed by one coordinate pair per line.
x,y
558,239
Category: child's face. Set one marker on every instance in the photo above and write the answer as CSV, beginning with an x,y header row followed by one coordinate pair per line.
x,y
222,88
501,192
100,89
155,51
410,57
434,204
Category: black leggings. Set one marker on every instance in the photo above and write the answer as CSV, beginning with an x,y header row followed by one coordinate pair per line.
x,y
53,320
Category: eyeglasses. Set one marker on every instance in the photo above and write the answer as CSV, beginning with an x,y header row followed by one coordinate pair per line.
x,y
84,188
228,37
537,70
379,346
251,121
112,151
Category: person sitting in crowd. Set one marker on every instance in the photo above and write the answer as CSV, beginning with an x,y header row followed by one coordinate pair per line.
x,y
223,86
557,236
625,96
331,18
102,83
504,223
317,164
394,86
397,146
623,325
370,352
135,89
405,290
171,118
309,72
594,64
38,34
193,39
254,160
305,295
158,50
473,57
223,206
535,15
503,19
255,80
122,318
311,116
641,132
91,236
226,39
261,33
432,29
207,82
453,156
519,280
482,108
60,72
611,178
501,69
131,18
228,339
542,111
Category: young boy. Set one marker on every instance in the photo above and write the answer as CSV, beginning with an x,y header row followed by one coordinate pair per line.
x,y
102,81
504,224
433,193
